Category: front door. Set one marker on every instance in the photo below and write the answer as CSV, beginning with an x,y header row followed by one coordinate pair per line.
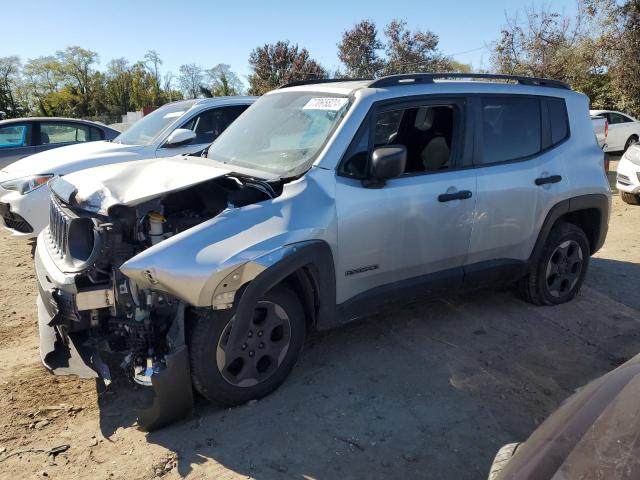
x,y
417,227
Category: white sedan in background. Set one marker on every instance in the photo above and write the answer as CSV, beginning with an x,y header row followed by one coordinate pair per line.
x,y
184,127
628,175
624,130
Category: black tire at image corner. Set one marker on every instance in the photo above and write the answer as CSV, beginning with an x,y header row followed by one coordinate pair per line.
x,y
533,287
204,332
630,198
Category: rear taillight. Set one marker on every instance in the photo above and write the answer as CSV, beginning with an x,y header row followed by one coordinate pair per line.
x,y
606,163
606,129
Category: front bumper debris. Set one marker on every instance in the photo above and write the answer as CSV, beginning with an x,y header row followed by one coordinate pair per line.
x,y
75,353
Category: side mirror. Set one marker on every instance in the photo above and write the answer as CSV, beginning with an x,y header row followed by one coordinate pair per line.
x,y
386,163
180,137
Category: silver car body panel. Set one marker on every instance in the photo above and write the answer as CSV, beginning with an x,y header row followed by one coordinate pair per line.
x,y
401,229
192,264
344,247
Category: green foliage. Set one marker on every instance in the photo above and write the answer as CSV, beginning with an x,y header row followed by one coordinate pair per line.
x,y
359,51
280,63
190,79
69,84
596,50
625,71
223,82
404,51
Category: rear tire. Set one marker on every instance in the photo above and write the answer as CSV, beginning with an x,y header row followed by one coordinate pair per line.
x,y
271,347
558,273
630,141
630,198
501,459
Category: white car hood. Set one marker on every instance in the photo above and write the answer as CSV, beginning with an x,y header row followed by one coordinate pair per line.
x,y
131,183
71,158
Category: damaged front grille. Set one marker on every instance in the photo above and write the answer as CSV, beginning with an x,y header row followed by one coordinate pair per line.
x,y
59,222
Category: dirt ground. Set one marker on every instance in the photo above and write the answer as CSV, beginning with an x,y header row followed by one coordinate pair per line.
x,y
429,392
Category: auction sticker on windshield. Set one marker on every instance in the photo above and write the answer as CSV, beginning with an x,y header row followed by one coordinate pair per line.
x,y
332,104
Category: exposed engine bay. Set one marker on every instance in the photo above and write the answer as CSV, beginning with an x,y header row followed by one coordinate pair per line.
x,y
107,312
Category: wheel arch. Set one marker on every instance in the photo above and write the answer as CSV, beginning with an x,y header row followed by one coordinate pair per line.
x,y
308,269
589,212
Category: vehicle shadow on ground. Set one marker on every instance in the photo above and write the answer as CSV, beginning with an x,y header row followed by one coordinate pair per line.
x,y
432,390
616,279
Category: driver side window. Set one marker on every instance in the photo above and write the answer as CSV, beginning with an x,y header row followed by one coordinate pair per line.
x,y
426,131
210,124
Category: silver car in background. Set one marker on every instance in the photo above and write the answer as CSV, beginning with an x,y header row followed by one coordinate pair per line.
x,y
178,128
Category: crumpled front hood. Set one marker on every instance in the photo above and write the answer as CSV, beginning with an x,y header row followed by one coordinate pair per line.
x,y
71,158
131,183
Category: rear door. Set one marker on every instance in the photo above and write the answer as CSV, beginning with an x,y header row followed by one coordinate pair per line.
x,y
519,177
414,231
54,134
16,142
207,126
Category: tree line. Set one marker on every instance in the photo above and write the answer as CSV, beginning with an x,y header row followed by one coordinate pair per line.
x,y
595,49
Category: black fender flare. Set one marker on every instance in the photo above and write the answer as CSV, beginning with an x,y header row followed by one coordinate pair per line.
x,y
597,201
316,253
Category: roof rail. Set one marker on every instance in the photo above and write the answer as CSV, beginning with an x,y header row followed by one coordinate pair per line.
x,y
321,80
415,78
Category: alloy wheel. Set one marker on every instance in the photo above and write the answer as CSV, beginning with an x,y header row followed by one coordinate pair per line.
x,y
265,345
564,268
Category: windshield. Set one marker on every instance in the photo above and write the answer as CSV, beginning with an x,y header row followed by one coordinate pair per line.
x,y
145,130
281,133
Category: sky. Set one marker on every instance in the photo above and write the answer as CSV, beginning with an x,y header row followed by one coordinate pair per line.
x,y
208,32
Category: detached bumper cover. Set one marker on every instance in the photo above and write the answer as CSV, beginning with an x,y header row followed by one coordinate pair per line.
x,y
61,353
65,353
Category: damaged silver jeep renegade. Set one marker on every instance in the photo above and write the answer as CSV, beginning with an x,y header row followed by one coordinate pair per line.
x,y
323,202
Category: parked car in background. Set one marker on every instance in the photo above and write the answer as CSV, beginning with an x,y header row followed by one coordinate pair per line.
x,y
323,203
21,137
593,435
601,129
628,175
624,130
184,127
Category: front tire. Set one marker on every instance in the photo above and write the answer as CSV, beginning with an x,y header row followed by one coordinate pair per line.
x,y
630,198
560,269
271,346
501,459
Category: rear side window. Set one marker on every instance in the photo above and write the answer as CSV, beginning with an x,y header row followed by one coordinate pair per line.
x,y
210,124
96,134
616,118
558,120
58,132
511,128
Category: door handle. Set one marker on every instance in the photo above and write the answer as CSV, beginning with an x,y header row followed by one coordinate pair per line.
x,y
448,197
549,179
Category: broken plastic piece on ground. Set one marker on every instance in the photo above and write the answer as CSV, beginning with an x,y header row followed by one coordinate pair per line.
x,y
173,393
